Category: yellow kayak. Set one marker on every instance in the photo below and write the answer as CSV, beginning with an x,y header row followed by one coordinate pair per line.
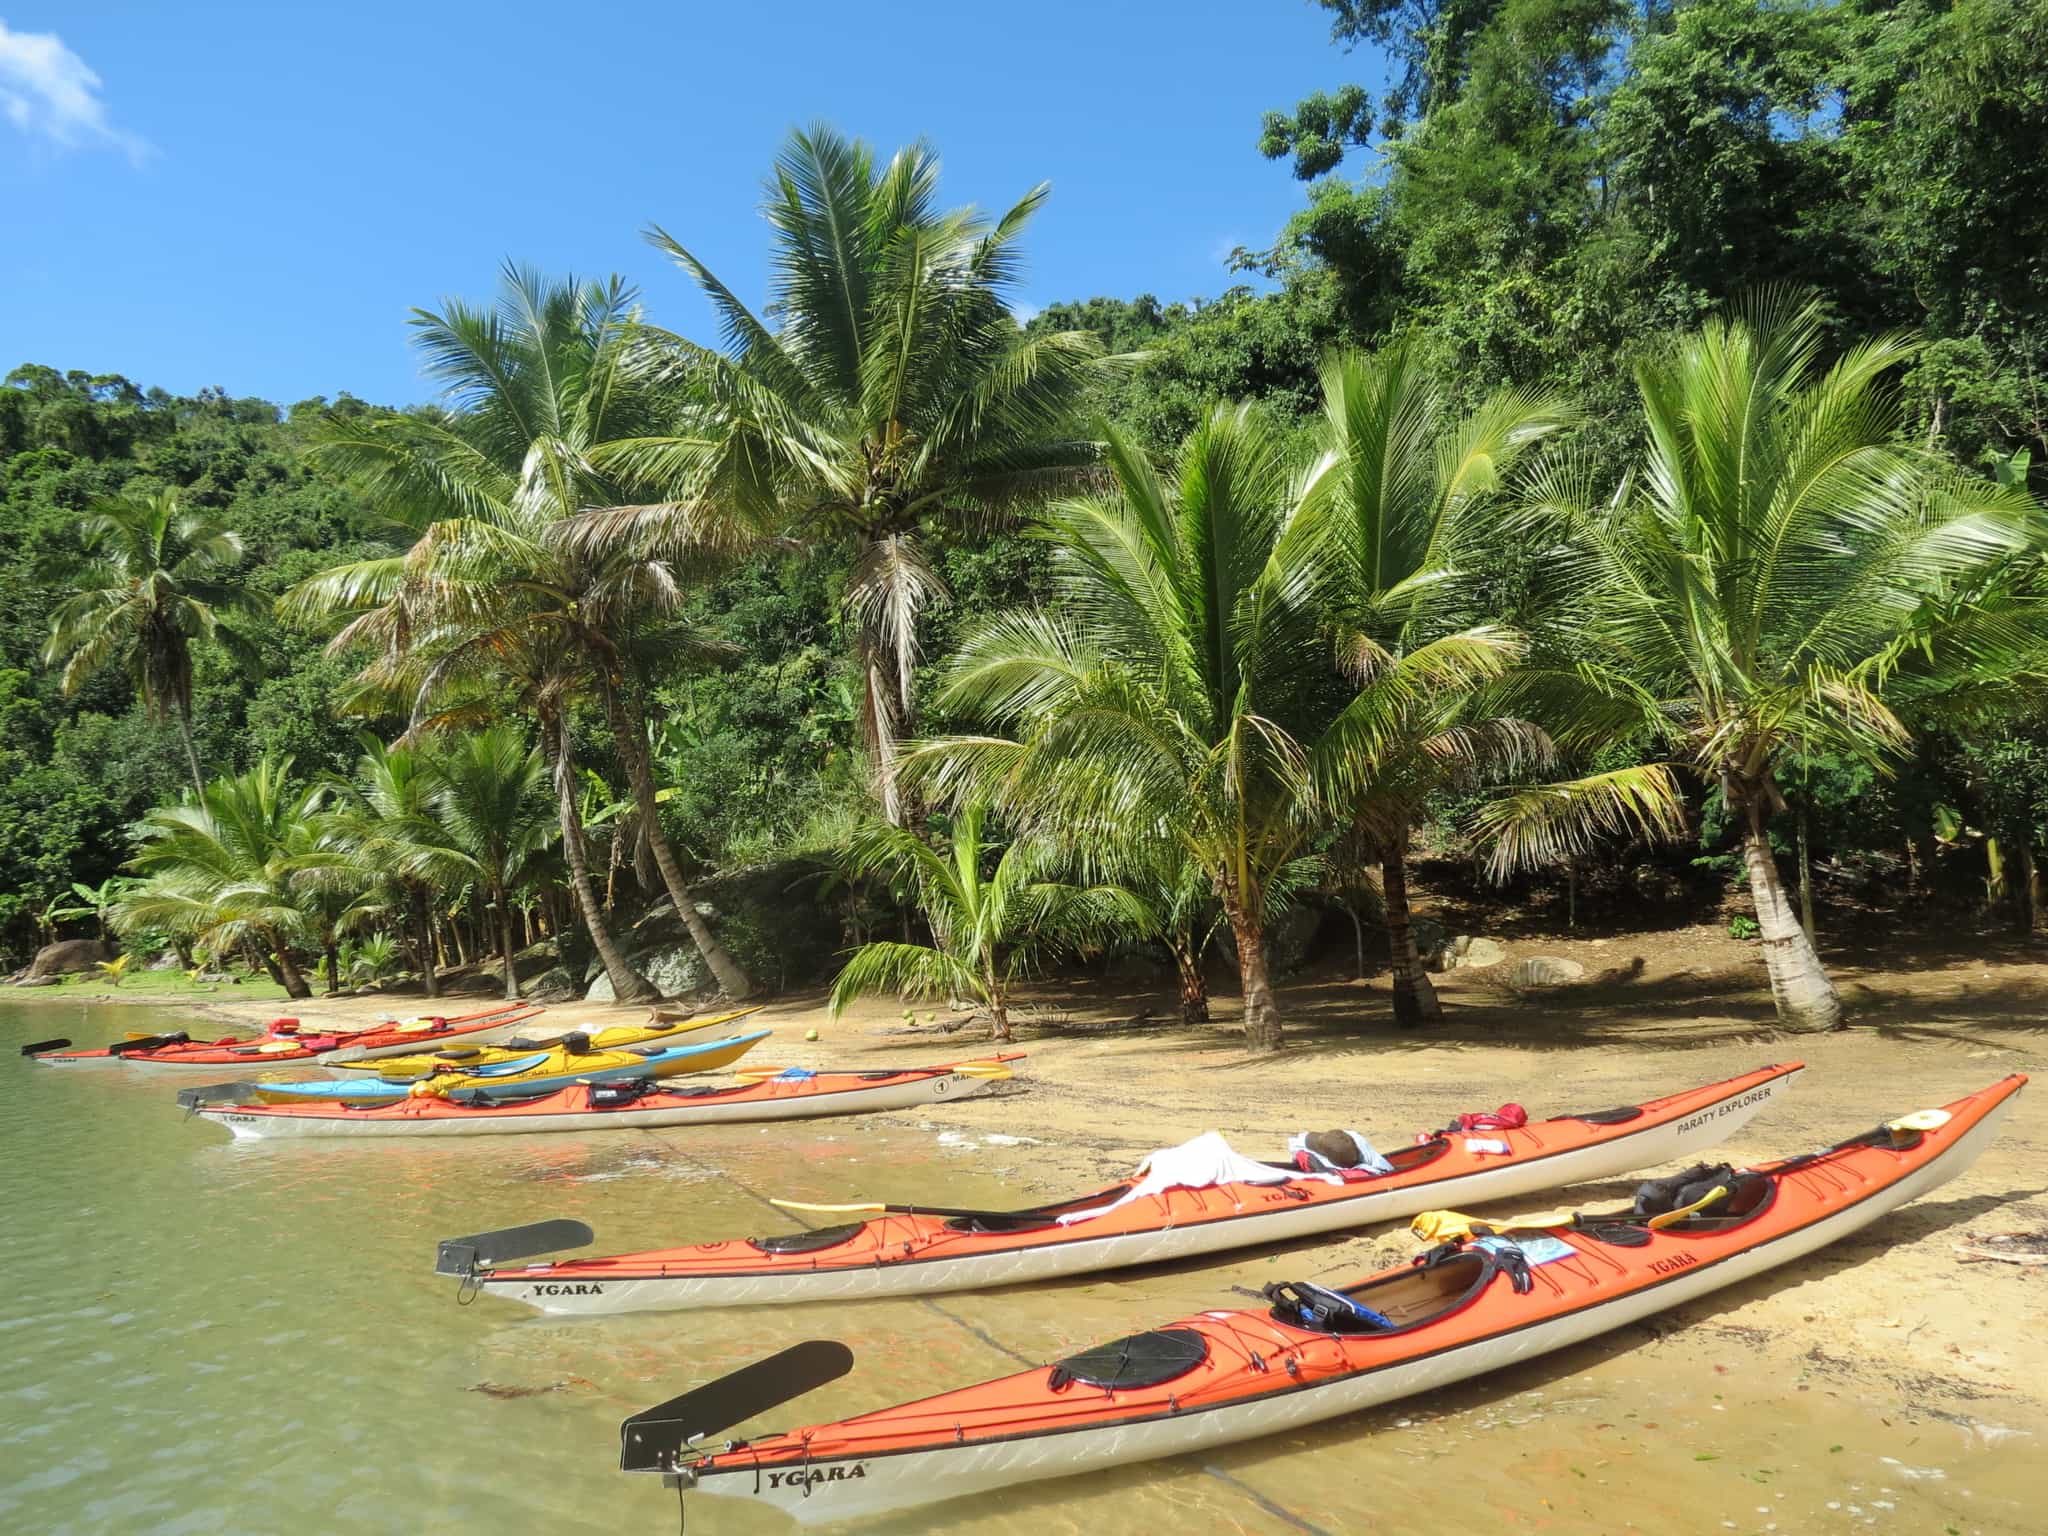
x,y
560,1053
537,1072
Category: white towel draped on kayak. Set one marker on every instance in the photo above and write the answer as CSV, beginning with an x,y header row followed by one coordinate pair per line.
x,y
1207,1160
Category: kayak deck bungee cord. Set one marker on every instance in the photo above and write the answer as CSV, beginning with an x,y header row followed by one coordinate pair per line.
x,y
1480,1301
908,1250
290,1044
779,1094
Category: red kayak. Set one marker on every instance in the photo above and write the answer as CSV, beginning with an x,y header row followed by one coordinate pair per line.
x,y
1479,1301
285,1043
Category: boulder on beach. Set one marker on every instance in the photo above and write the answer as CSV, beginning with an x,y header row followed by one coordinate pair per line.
x,y
69,957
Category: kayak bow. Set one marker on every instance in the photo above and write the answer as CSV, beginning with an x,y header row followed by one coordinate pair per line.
x,y
1225,1376
910,1251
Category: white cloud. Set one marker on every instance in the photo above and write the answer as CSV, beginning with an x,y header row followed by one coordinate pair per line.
x,y
48,92
1024,313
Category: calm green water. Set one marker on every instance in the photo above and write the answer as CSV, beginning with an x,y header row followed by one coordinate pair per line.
x,y
205,1337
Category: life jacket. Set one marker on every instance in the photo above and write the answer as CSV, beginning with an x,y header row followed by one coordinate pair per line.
x,y
1509,1117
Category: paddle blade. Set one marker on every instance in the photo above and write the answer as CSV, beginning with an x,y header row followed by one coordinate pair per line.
x,y
1921,1120
45,1045
464,1255
146,1043
239,1092
653,1439
868,1208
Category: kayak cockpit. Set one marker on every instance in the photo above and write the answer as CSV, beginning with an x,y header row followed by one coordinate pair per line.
x,y
1404,1159
1395,1303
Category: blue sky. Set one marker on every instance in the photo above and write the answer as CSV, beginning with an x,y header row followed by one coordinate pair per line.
x,y
253,195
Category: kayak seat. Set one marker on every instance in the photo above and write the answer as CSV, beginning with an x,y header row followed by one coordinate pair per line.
x,y
806,1242
1748,1198
1001,1221
1038,1217
1405,1300
1617,1116
458,1053
1142,1360
1300,1304
1749,1194
1405,1159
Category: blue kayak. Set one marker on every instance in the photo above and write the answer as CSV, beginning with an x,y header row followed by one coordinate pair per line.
x,y
476,1082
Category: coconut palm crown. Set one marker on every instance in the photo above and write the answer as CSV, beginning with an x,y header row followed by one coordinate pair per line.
x,y
1754,585
494,602
894,388
154,580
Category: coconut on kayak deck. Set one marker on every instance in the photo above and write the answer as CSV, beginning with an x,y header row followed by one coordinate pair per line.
x,y
289,1043
908,1250
776,1094
1468,1306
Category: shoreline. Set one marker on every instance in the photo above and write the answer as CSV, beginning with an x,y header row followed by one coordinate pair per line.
x,y
1893,1323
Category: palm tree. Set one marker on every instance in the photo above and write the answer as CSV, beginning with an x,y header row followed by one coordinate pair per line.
x,y
1172,693
230,868
1395,498
153,580
986,927
552,417
895,389
386,820
490,799
1752,588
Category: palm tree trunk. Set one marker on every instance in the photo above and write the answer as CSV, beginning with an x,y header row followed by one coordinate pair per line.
x,y
332,951
191,756
422,929
1805,878
628,985
1194,986
1415,1000
1805,998
288,970
2030,888
506,946
1261,1015
998,1013
631,733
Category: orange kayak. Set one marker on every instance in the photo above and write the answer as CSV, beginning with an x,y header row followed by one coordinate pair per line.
x,y
918,1250
285,1043
1468,1306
